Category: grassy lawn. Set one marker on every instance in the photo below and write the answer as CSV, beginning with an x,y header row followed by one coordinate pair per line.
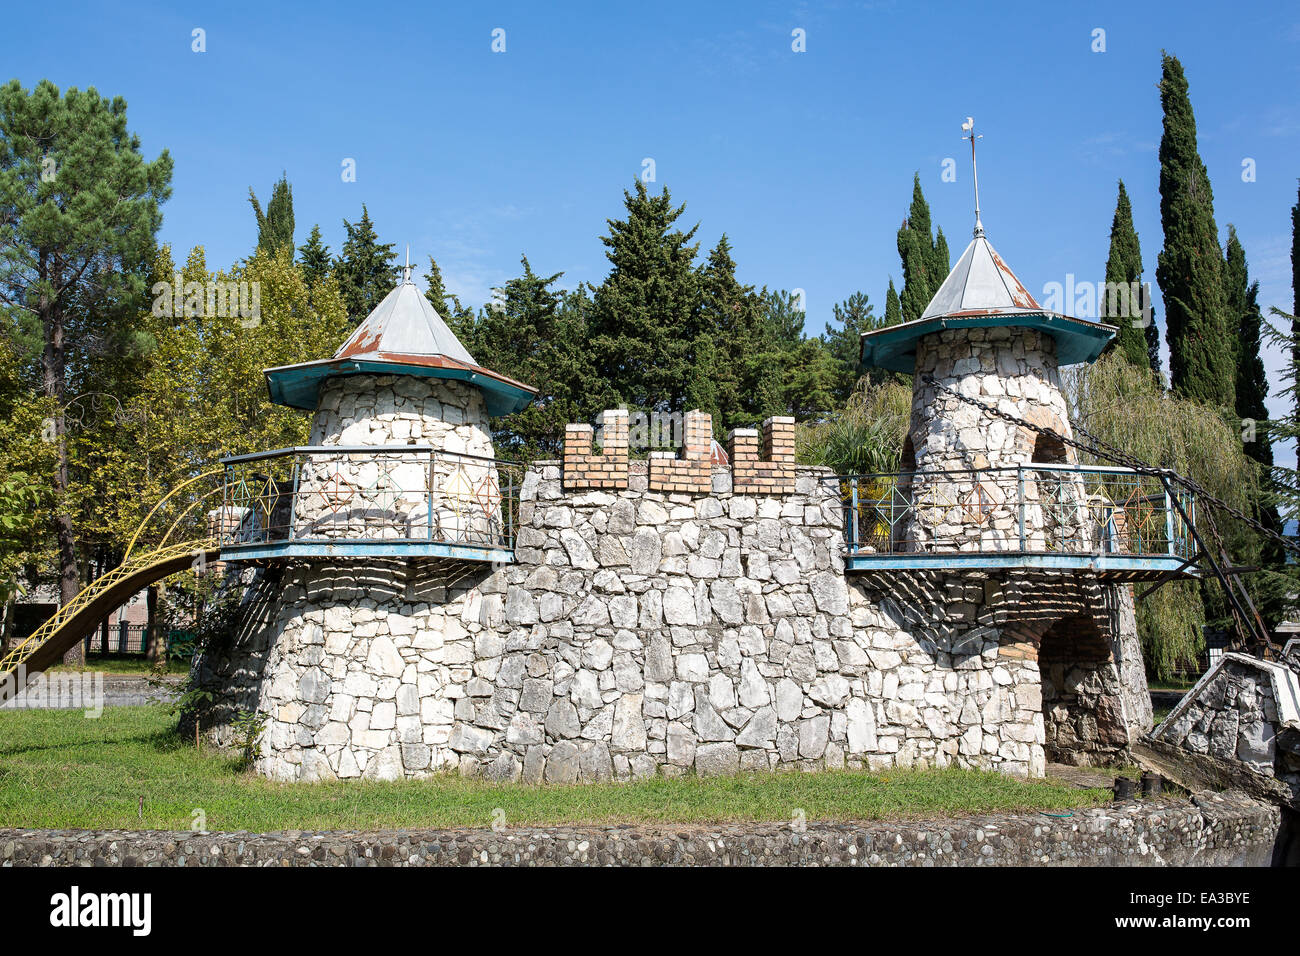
x,y
59,769
120,666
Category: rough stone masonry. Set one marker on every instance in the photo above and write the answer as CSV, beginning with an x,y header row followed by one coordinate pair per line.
x,y
638,632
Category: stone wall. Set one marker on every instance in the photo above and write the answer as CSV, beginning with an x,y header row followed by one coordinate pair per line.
x,y
638,632
1242,716
1210,830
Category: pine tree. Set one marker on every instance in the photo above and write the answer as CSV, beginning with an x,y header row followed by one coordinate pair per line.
x,y
275,227
367,270
844,343
925,258
78,216
315,257
645,314
1119,306
1190,270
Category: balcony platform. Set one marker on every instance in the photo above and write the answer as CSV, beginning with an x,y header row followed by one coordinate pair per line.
x,y
368,502
1119,568
343,550
1118,524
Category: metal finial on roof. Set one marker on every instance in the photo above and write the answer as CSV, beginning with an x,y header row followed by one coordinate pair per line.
x,y
406,272
969,127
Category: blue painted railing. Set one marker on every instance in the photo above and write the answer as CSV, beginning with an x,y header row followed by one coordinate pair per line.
x,y
1036,509
381,500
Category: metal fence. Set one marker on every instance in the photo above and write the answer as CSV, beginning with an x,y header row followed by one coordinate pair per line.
x,y
1034,508
333,494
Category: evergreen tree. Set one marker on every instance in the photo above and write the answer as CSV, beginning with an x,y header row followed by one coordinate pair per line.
x,y
645,315
459,318
785,317
1123,275
535,336
844,342
367,270
315,257
1295,289
738,354
1190,270
275,226
893,308
925,258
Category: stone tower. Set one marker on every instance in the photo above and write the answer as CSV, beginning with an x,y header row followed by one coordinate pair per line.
x,y
990,506
352,642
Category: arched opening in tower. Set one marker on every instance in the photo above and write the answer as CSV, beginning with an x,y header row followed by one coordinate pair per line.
x,y
1083,714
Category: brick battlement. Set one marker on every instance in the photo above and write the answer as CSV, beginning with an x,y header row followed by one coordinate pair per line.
x,y
765,470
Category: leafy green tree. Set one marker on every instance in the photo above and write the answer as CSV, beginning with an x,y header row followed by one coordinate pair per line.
x,y
367,270
1124,274
275,226
645,315
925,257
78,215
1190,270
314,256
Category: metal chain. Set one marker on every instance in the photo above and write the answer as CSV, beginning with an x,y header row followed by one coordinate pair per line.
x,y
1105,451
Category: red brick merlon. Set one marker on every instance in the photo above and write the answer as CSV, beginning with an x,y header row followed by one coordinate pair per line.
x,y
585,469
768,473
692,473
762,463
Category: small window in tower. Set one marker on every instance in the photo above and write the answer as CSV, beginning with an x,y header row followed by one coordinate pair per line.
x,y
1049,451
908,462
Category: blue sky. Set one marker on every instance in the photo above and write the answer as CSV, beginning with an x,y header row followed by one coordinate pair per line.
x,y
804,159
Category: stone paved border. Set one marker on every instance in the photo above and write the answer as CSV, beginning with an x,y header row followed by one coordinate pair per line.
x,y
1210,829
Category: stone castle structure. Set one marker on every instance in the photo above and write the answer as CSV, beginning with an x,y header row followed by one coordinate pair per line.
x,y
667,615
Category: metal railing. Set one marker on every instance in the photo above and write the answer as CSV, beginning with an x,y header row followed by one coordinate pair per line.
x,y
336,494
1035,508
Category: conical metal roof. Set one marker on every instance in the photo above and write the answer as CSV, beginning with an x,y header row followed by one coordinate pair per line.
x,y
404,335
981,291
404,324
980,282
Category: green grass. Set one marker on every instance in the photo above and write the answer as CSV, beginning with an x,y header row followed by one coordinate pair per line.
x,y
59,769
120,666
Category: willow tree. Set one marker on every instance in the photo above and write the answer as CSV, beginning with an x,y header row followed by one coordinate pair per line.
x,y
1124,405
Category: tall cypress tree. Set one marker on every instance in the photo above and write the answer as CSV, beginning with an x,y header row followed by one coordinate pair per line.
x,y
1244,312
925,257
315,257
367,270
1295,290
1124,273
1190,270
275,226
893,308
645,314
